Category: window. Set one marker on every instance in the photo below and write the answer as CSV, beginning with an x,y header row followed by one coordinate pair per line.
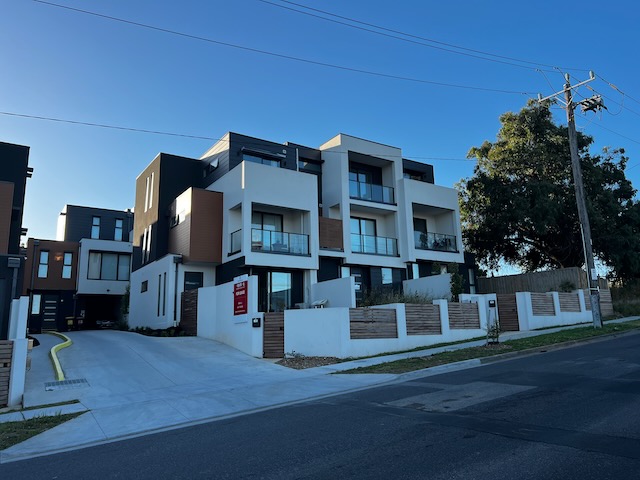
x,y
144,286
43,266
415,270
95,227
35,304
266,221
108,266
387,276
66,266
272,162
420,225
117,235
146,194
151,190
309,166
193,280
363,235
345,272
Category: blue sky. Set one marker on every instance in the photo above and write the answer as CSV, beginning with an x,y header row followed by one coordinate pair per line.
x,y
69,65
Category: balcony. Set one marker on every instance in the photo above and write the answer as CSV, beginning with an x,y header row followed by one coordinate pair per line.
x,y
371,192
440,242
269,241
374,245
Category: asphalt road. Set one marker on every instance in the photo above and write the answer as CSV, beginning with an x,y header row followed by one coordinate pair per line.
x,y
567,414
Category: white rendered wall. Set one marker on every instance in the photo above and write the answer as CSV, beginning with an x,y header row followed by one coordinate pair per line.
x,y
326,332
251,183
143,307
87,286
432,195
529,321
340,292
435,286
18,313
217,321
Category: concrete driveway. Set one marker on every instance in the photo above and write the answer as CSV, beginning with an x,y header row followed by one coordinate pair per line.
x,y
136,384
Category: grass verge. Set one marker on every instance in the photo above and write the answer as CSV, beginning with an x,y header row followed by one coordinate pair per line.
x,y
12,433
419,363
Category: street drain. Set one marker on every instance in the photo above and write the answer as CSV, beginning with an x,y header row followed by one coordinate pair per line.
x,y
66,384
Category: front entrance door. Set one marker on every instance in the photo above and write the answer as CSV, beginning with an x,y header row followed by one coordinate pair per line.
x,y
49,312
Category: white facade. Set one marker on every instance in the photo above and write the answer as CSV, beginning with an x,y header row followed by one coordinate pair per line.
x,y
93,284
437,205
253,187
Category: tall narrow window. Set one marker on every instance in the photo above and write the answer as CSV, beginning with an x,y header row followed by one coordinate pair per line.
x,y
159,292
117,234
164,295
151,190
43,266
146,194
95,227
66,266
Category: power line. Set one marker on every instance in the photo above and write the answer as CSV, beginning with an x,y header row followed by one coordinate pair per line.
x,y
425,39
612,131
388,35
196,137
618,90
287,57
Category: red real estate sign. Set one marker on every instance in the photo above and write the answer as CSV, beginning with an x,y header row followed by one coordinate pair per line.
x,y
240,298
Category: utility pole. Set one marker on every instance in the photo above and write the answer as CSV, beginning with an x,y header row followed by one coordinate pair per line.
x,y
583,216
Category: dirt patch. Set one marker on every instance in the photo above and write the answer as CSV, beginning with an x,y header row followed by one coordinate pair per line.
x,y
301,362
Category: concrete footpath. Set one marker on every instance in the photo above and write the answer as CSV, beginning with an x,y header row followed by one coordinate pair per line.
x,y
131,385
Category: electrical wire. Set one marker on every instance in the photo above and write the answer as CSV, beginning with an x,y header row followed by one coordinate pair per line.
x,y
417,37
287,57
197,137
390,35
617,89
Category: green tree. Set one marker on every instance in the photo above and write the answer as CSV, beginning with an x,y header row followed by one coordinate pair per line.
x,y
519,206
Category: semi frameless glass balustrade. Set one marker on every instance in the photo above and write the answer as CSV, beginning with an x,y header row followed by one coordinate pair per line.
x,y
374,245
369,191
279,242
435,241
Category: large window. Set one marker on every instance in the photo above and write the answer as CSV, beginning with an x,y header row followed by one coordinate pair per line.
x,y
95,227
272,162
66,266
117,234
109,266
43,265
363,235
266,221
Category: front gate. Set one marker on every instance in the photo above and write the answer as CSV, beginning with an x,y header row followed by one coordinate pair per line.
x,y
508,312
273,335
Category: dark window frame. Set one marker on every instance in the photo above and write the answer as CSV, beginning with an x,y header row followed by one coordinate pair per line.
x,y
118,255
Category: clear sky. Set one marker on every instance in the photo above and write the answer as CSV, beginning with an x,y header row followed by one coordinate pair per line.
x,y
74,66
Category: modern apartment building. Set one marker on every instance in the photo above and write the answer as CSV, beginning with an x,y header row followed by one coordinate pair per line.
x,y
79,279
14,171
289,214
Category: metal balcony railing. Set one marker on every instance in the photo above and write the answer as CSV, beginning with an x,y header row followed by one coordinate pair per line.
x,y
435,241
371,192
270,241
374,245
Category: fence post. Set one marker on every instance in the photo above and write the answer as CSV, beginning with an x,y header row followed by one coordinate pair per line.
x,y
444,316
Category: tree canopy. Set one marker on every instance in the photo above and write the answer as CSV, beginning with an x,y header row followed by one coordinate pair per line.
x,y
519,206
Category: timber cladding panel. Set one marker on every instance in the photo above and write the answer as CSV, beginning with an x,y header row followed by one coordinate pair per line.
x,y
463,316
423,319
6,349
330,233
542,304
373,323
569,302
189,312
